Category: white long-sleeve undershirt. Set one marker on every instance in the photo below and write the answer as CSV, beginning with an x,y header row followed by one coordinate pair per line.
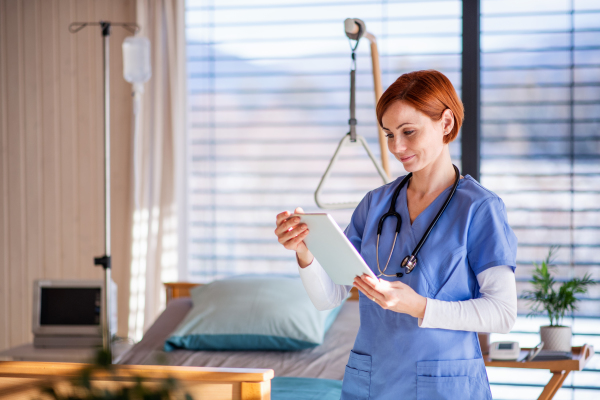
x,y
495,311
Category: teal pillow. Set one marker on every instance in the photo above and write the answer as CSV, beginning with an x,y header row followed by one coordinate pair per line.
x,y
252,313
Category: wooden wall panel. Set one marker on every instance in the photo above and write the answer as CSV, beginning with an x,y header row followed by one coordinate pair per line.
x,y
68,141
16,195
32,154
85,133
4,254
50,142
51,138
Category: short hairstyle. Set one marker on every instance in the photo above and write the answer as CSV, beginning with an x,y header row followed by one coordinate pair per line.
x,y
430,92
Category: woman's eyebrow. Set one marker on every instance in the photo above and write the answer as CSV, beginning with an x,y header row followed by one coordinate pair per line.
x,y
398,127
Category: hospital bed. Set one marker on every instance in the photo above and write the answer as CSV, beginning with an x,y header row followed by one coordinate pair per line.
x,y
223,375
326,361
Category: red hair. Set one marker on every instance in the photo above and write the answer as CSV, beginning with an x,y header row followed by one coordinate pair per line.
x,y
428,91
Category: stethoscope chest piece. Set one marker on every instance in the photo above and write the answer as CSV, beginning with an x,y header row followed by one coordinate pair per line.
x,y
409,262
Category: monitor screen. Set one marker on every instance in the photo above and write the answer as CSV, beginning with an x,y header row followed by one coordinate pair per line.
x,y
70,306
505,346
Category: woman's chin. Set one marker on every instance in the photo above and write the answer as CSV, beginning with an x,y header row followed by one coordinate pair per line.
x,y
410,165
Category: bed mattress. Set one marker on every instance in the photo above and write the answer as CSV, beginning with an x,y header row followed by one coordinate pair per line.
x,y
326,361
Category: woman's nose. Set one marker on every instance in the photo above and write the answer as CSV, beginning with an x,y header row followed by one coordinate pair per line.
x,y
397,144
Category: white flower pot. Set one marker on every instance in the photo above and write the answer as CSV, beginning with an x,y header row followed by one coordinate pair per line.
x,y
557,338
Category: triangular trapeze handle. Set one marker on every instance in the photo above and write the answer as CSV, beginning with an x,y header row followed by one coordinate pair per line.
x,y
346,141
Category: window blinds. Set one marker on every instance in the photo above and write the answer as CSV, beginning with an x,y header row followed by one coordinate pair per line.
x,y
540,130
269,95
540,93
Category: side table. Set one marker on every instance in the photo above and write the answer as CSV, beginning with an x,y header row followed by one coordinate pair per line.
x,y
560,368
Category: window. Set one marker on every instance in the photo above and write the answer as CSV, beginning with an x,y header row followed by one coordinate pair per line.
x,y
269,96
540,93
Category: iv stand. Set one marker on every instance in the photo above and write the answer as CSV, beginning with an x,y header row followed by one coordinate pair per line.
x,y
105,260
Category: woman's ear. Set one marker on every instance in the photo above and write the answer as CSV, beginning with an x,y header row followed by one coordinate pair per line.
x,y
447,121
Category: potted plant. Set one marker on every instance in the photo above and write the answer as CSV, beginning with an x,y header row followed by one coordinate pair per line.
x,y
546,299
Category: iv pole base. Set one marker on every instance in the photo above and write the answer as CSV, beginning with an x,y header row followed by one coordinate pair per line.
x,y
105,262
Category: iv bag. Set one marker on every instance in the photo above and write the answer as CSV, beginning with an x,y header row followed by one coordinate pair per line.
x,y
136,59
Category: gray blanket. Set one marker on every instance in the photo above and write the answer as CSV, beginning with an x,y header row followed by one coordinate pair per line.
x,y
326,361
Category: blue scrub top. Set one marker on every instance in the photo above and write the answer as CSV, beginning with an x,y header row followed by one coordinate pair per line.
x,y
392,357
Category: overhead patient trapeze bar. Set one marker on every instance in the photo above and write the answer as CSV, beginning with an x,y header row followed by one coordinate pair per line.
x,y
355,29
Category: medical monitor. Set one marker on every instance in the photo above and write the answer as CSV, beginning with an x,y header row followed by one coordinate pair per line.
x,y
69,308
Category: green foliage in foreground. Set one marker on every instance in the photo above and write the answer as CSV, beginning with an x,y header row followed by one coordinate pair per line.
x,y
544,296
83,386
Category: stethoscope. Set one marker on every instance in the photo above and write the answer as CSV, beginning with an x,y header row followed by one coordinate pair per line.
x,y
409,262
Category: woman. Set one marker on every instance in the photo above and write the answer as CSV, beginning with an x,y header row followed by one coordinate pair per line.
x,y
417,338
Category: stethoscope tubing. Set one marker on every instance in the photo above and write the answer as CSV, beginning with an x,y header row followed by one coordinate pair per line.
x,y
393,213
439,214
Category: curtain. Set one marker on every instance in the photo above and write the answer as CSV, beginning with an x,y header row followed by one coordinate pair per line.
x,y
159,126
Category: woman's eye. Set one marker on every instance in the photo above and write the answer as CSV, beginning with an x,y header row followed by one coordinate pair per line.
x,y
408,132
389,135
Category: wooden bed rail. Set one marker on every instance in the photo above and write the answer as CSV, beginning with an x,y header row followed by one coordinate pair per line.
x,y
182,289
22,379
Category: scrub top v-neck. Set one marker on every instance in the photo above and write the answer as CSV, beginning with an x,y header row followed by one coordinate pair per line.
x,y
393,358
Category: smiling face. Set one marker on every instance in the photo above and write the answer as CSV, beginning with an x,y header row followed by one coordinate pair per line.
x,y
416,140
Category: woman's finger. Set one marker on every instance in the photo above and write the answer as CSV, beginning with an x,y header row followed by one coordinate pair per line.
x,y
292,233
380,285
287,225
363,291
376,297
292,243
367,290
380,303
281,216
360,284
369,281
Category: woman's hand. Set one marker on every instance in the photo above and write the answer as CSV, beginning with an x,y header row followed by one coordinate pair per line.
x,y
291,233
394,296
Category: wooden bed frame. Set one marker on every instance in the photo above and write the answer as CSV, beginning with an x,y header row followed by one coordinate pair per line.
x,y
22,379
182,289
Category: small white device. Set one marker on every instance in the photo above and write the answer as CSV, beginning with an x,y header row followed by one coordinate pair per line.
x,y
68,313
505,351
331,247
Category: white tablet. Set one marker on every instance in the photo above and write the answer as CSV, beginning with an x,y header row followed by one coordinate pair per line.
x,y
333,250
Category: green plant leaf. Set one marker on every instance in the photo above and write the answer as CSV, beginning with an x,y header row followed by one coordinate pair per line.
x,y
545,298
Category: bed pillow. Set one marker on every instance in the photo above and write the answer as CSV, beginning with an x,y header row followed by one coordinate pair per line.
x,y
252,313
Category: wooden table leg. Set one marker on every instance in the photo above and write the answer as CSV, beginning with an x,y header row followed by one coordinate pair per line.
x,y
256,390
555,383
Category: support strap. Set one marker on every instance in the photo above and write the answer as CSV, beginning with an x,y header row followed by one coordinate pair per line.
x,y
352,120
